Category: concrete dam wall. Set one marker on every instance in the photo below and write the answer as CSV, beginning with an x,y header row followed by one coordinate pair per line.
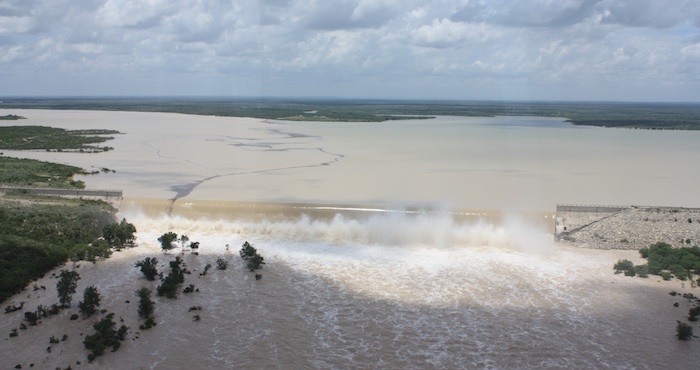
x,y
570,218
113,197
627,227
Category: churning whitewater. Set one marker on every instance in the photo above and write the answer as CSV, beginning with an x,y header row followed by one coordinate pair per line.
x,y
389,291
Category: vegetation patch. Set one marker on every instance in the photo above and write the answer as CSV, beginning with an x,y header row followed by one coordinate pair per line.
x,y
40,233
106,335
54,139
30,172
665,261
11,117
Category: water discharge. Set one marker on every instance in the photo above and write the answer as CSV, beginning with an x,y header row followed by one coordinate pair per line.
x,y
396,290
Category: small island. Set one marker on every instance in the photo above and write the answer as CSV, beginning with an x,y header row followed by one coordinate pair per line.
x,y
11,117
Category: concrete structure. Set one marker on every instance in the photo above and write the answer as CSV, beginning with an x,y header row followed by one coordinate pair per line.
x,y
113,197
570,218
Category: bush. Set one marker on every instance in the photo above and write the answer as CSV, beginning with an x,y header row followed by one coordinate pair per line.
x,y
247,251
683,331
166,240
644,252
255,262
148,268
67,283
105,336
666,275
149,323
119,235
99,249
146,305
31,317
91,300
693,313
146,308
642,271
221,264
168,287
678,271
623,265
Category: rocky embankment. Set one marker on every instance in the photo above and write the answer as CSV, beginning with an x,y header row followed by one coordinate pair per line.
x,y
635,228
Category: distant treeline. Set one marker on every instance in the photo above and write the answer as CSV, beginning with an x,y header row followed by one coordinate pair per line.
x,y
677,116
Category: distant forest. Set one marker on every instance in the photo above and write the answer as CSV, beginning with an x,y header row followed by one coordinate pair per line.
x,y
660,116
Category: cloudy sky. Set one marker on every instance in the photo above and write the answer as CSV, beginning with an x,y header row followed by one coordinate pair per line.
x,y
622,50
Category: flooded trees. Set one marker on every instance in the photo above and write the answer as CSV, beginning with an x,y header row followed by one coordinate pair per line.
x,y
221,264
146,308
249,253
91,300
166,240
67,283
168,287
106,335
119,235
148,268
683,331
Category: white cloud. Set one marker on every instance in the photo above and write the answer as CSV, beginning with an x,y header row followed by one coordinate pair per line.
x,y
358,48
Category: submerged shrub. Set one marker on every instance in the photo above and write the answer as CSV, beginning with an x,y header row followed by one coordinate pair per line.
x,y
642,271
623,265
683,331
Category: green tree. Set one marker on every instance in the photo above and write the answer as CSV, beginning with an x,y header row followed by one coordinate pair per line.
x,y
119,235
67,283
106,335
91,300
166,240
642,271
255,262
247,251
168,287
623,265
148,267
146,304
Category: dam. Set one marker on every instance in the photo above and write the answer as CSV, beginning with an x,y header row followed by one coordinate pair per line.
x,y
626,227
112,197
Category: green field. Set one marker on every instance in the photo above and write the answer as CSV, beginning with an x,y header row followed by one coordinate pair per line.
x,y
678,116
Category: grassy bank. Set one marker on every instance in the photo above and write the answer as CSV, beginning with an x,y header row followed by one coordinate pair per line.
x,y
30,172
40,233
